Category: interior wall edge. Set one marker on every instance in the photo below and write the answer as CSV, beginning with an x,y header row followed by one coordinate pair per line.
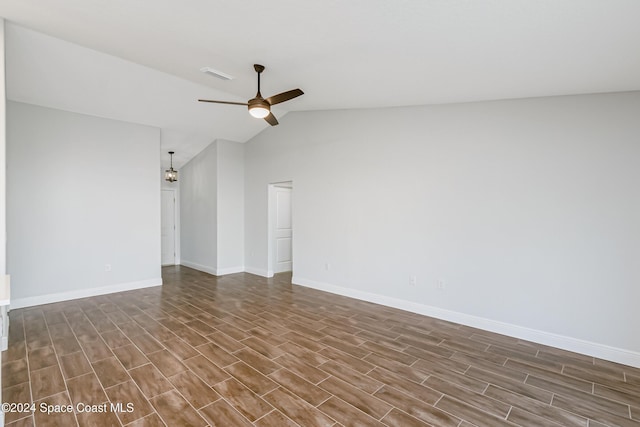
x,y
594,349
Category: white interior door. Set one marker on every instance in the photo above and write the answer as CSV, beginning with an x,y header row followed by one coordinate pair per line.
x,y
283,233
168,228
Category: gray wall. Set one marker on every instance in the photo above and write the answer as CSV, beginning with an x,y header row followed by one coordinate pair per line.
x,y
3,117
3,192
527,210
230,207
198,211
212,209
83,192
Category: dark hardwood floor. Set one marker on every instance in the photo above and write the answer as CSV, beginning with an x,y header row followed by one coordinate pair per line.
x,y
241,350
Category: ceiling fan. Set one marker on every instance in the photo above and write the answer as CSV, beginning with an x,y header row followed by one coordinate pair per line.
x,y
260,107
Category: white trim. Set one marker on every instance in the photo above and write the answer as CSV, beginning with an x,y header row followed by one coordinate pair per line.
x,y
271,218
214,271
229,270
84,293
272,213
5,301
5,289
259,272
601,351
175,224
199,267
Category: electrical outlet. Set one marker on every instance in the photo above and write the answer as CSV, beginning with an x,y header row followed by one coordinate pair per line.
x,y
440,284
413,280
107,267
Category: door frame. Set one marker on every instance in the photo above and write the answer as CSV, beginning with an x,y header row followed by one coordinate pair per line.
x,y
271,218
175,227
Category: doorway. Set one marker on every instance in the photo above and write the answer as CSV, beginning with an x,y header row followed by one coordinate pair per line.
x,y
280,251
168,227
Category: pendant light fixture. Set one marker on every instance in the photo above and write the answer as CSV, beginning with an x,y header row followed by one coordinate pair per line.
x,y
170,174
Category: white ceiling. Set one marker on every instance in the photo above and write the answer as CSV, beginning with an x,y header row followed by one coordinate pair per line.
x,y
342,53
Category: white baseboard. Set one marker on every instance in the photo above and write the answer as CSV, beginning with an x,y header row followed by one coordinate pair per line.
x,y
601,351
211,270
259,272
84,293
229,270
199,267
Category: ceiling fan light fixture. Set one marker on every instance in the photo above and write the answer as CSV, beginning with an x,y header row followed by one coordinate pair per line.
x,y
258,112
259,108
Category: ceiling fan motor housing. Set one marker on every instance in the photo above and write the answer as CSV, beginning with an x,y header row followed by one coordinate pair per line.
x,y
258,107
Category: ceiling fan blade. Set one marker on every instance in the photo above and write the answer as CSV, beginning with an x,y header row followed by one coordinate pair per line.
x,y
284,96
271,119
223,102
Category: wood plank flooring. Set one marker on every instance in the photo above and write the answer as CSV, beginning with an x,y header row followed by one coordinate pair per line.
x,y
241,350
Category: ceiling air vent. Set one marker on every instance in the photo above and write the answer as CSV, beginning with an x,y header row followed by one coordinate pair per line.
x,y
216,73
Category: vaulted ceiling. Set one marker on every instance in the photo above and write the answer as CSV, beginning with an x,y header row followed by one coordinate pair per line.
x,y
139,60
